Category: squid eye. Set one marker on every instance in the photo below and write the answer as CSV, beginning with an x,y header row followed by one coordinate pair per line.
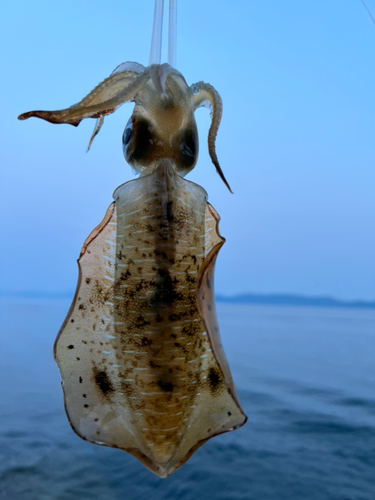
x,y
189,147
137,146
127,135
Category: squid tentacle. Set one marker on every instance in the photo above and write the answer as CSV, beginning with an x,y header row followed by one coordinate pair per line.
x,y
98,125
102,100
126,66
159,74
205,94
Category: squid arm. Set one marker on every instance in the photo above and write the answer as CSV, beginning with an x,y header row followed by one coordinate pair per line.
x,y
205,95
101,101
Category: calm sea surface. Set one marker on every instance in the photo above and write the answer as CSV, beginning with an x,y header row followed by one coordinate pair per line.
x,y
305,377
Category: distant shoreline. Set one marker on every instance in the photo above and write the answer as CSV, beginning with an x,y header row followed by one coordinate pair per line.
x,y
272,299
294,300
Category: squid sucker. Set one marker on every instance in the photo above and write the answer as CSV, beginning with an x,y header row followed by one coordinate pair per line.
x,y
141,361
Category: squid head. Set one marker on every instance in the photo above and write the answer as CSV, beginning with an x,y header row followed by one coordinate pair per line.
x,y
162,125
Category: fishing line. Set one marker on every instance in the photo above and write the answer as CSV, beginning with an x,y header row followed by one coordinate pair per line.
x,y
157,33
368,11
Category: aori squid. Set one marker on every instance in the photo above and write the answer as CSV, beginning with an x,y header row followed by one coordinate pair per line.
x,y
139,352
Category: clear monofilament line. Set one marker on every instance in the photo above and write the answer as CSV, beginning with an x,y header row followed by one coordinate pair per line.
x,y
368,11
172,38
157,32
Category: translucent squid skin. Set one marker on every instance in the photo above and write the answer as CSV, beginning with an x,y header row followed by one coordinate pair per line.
x,y
139,353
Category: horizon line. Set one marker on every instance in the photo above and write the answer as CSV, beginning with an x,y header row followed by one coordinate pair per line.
x,y
273,298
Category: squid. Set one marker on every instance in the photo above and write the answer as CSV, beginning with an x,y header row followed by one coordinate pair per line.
x,y
141,361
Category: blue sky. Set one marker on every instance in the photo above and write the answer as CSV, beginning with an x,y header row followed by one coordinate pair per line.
x,y
297,141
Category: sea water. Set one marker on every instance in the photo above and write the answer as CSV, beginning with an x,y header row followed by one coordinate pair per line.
x,y
305,378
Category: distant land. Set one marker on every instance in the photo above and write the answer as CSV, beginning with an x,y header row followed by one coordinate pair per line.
x,y
274,299
286,299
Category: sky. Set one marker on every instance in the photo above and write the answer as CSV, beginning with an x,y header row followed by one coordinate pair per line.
x,y
296,143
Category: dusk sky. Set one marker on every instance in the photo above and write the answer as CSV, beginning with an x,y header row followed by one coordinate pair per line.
x,y
296,143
